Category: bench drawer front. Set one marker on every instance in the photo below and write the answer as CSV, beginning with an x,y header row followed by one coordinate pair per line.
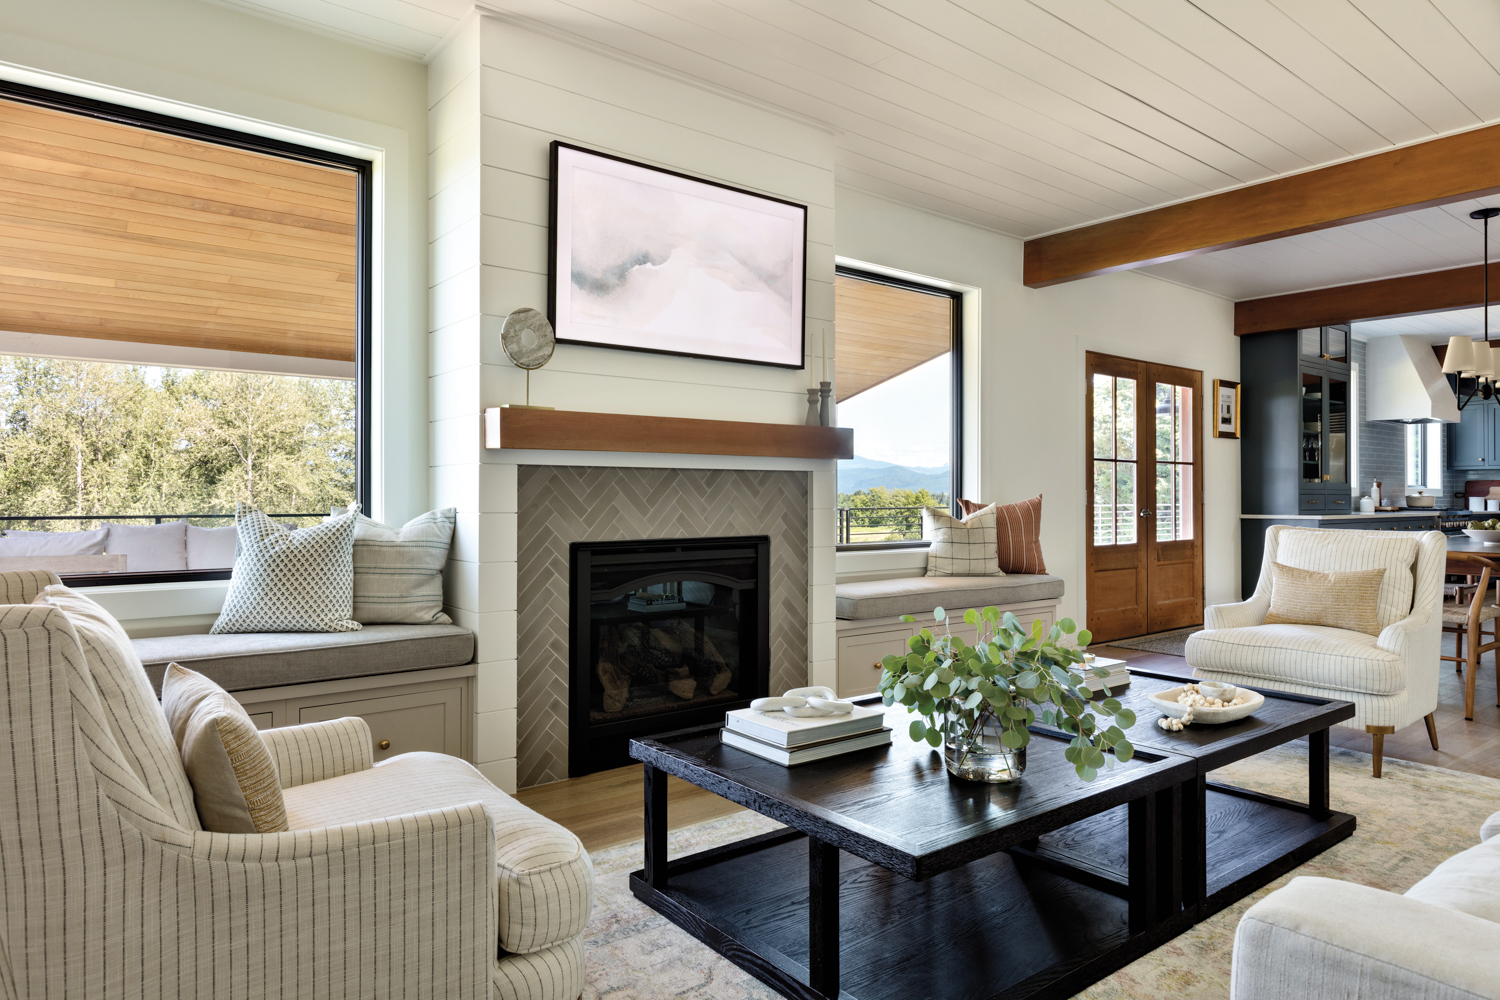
x,y
402,723
860,656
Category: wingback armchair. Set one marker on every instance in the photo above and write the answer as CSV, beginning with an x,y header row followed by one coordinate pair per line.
x,y
1392,678
414,877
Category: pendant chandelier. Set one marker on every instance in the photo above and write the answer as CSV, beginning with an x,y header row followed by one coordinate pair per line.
x,y
1469,361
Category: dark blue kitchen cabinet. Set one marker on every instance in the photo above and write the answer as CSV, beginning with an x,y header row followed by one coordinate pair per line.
x,y
1472,442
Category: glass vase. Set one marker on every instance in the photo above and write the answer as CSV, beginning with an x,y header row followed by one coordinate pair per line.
x,y
976,753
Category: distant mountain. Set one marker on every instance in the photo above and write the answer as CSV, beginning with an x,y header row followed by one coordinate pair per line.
x,y
861,473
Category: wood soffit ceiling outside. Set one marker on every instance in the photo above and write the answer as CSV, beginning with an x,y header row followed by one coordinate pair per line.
x,y
884,331
121,233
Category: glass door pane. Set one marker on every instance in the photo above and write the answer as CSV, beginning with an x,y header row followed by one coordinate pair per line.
x,y
1338,432
1114,447
1312,428
1336,342
1310,341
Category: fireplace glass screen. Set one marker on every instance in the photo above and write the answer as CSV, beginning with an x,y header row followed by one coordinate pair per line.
x,y
665,634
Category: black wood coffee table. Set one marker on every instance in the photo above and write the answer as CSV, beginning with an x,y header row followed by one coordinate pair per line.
x,y
1234,840
894,881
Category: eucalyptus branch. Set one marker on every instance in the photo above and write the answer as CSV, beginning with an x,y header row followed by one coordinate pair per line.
x,y
1007,675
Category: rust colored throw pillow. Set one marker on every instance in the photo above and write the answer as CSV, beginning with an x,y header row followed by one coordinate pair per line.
x,y
1018,534
1347,600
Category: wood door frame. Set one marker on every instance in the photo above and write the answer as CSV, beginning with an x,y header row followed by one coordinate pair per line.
x,y
1146,373
1193,379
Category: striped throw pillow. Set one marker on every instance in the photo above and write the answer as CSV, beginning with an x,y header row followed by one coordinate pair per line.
x,y
398,575
960,548
235,784
1348,600
1018,534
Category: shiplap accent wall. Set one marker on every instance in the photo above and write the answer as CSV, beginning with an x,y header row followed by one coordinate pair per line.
x,y
499,95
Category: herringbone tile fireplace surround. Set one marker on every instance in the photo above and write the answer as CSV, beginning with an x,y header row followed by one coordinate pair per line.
x,y
559,505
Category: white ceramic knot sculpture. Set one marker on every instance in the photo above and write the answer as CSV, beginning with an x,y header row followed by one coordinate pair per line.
x,y
804,703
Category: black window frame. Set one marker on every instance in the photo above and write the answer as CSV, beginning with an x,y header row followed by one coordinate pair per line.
x,y
363,235
956,353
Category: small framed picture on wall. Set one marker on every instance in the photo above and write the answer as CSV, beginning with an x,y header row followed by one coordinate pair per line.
x,y
1226,409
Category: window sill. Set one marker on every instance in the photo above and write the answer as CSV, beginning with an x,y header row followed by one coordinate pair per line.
x,y
882,546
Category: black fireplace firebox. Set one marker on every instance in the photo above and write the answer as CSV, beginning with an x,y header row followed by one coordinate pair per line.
x,y
664,634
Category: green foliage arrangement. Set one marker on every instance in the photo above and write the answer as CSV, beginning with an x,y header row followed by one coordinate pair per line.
x,y
1005,677
92,438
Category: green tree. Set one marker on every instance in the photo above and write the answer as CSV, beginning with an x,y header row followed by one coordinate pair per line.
x,y
90,438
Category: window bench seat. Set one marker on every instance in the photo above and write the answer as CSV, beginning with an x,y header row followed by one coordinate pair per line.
x,y
248,660
869,612
411,683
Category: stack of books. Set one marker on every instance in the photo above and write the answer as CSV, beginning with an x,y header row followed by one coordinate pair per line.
x,y
790,741
1118,675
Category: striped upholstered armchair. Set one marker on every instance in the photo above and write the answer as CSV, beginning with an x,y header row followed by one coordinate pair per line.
x,y
1392,678
414,877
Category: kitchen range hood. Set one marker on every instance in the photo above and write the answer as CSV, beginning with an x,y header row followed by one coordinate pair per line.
x,y
1406,382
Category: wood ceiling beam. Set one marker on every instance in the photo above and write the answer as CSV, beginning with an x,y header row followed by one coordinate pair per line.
x,y
1435,291
1437,172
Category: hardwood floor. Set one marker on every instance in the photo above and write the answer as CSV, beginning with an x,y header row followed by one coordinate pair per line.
x,y
605,809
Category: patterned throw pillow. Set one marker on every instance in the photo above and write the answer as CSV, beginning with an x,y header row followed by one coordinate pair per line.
x,y
960,548
1018,534
398,575
289,580
235,784
1347,600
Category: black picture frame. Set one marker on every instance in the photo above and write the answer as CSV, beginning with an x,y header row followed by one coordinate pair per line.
x,y
553,270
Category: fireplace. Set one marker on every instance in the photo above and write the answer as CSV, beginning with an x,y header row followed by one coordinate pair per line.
x,y
663,635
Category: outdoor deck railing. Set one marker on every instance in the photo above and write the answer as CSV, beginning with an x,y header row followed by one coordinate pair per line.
x,y
8,520
879,524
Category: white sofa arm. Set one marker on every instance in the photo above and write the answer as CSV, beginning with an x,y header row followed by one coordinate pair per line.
x,y
1319,937
1395,636
1241,615
319,750
409,902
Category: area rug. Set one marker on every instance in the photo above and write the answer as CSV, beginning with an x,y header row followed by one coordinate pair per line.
x,y
1409,821
1173,643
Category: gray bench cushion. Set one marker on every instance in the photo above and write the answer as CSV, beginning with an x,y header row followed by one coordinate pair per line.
x,y
918,595
244,661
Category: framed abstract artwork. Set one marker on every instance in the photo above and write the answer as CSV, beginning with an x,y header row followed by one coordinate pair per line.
x,y
1226,409
644,259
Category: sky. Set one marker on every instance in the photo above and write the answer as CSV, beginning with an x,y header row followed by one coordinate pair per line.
x,y
906,420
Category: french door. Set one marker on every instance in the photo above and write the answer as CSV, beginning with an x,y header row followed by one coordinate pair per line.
x,y
1145,509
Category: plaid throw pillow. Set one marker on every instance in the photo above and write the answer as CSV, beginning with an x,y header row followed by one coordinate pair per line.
x,y
289,580
960,548
1018,534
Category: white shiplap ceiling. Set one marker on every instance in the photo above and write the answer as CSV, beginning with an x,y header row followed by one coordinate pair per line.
x,y
1435,328
1030,116
1430,239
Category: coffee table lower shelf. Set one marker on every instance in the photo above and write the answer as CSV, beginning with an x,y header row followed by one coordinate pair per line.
x,y
1039,923
998,928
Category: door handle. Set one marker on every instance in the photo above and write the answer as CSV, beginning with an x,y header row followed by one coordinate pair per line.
x,y
1145,512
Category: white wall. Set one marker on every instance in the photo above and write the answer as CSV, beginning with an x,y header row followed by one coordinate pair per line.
x,y
1031,371
499,95
209,63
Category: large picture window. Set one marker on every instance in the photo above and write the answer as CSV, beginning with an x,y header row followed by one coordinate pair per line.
x,y
184,326
899,365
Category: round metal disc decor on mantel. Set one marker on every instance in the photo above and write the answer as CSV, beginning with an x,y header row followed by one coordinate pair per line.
x,y
528,341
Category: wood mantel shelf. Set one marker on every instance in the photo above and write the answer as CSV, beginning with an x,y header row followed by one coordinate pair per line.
x,y
571,430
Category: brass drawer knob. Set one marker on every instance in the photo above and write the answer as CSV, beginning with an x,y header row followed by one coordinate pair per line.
x,y
384,744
